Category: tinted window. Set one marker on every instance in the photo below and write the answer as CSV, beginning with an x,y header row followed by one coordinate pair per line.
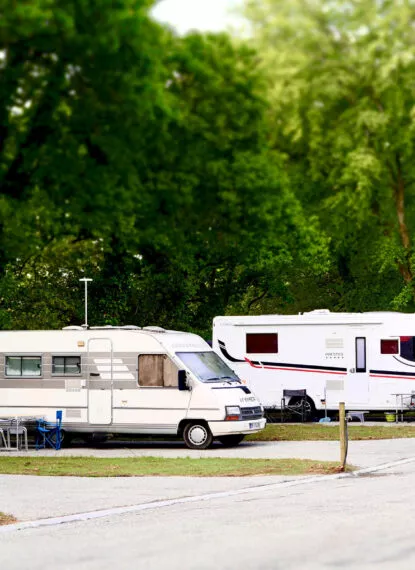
x,y
388,346
13,366
23,366
407,348
69,365
360,354
261,343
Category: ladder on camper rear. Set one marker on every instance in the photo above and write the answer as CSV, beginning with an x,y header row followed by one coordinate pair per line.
x,y
100,381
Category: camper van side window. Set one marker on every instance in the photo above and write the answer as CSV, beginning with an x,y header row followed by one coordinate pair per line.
x,y
407,348
261,343
157,371
66,365
389,346
23,366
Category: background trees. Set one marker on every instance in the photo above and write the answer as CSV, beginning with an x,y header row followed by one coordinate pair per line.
x,y
195,176
228,226
341,79
81,109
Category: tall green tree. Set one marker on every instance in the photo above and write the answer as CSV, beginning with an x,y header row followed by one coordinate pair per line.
x,y
341,78
82,111
229,228
142,160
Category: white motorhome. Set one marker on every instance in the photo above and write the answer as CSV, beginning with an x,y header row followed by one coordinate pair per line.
x,y
126,380
362,359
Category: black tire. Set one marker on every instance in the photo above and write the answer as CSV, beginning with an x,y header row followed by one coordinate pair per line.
x,y
95,438
63,438
66,438
197,435
309,407
231,440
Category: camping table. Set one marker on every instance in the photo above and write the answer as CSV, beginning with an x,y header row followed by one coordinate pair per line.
x,y
401,396
8,422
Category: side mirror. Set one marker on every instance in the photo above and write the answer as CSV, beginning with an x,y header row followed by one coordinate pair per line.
x,y
182,377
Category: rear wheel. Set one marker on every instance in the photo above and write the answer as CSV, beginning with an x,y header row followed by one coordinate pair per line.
x,y
95,438
52,437
66,438
197,436
296,406
231,440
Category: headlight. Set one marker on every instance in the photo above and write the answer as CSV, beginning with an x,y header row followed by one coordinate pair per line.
x,y
233,413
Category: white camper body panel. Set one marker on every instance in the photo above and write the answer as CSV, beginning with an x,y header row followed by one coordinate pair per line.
x,y
362,359
103,393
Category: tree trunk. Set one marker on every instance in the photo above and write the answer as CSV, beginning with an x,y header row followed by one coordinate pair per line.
x,y
399,191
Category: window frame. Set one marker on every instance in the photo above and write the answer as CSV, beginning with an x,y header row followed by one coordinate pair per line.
x,y
23,356
64,356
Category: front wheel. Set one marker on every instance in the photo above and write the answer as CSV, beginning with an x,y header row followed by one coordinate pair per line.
x,y
197,436
231,440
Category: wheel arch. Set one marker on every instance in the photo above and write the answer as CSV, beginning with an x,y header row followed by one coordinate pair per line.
x,y
183,423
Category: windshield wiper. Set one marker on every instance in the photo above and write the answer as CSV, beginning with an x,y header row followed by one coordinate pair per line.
x,y
219,378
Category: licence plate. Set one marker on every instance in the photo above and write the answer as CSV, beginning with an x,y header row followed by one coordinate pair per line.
x,y
254,425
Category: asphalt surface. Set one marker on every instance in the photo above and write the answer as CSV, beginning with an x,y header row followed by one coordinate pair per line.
x,y
213,523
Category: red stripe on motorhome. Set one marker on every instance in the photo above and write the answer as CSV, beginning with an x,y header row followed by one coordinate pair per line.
x,y
294,369
392,376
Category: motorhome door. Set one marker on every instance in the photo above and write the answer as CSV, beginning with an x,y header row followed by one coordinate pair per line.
x,y
357,381
100,381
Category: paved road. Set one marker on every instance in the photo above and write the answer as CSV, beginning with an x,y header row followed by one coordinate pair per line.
x,y
355,523
255,523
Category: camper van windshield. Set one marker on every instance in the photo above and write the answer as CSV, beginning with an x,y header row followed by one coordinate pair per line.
x,y
207,366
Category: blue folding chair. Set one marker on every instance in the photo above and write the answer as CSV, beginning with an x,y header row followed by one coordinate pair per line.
x,y
49,434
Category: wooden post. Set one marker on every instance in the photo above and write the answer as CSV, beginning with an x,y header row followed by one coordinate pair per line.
x,y
342,425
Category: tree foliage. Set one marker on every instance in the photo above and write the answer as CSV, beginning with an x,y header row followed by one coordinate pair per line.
x,y
200,175
341,78
141,160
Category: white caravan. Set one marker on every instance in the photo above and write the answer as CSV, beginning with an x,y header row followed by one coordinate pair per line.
x,y
362,359
126,380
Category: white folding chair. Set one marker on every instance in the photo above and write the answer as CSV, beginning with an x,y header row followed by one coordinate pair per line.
x,y
4,436
20,433
3,441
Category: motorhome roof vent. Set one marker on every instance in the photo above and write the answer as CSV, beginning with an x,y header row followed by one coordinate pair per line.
x,y
318,312
154,329
73,328
130,328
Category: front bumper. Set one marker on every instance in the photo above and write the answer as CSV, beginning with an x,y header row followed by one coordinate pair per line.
x,y
245,427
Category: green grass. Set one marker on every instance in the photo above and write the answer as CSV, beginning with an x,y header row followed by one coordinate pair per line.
x,y
152,466
6,519
328,432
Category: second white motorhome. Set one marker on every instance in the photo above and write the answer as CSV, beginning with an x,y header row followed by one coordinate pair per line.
x,y
362,359
127,380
